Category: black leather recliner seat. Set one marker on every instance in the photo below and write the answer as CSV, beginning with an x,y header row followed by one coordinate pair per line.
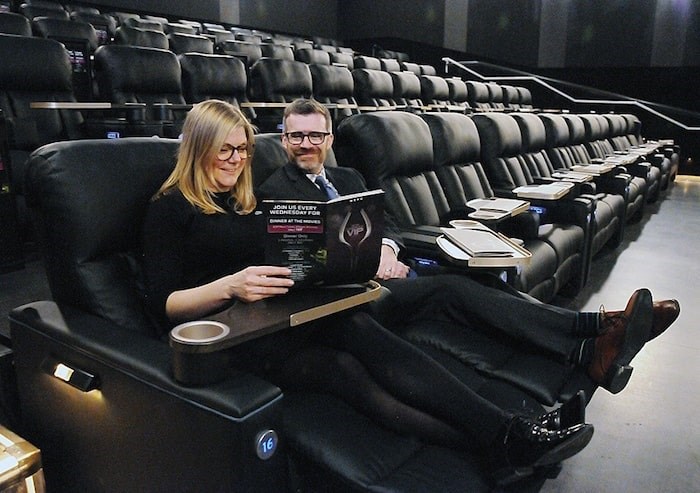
x,y
567,221
141,430
609,193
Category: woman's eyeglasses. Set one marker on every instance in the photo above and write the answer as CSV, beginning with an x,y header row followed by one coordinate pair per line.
x,y
226,152
315,138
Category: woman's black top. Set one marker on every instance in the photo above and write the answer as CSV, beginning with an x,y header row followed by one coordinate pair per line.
x,y
185,248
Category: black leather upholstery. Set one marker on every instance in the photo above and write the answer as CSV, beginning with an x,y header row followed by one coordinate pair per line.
x,y
334,85
125,74
513,159
189,43
207,76
373,88
128,435
141,431
250,52
14,23
609,216
134,36
318,57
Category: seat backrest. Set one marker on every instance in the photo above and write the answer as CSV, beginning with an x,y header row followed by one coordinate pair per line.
x,y
501,144
458,92
525,97
250,52
35,70
346,59
394,151
189,43
89,199
427,70
407,89
80,39
176,27
479,96
390,64
65,30
373,88
534,141
368,62
334,85
283,52
14,23
32,11
131,74
273,80
105,26
310,56
495,95
134,36
149,24
434,91
411,67
511,97
456,154
208,76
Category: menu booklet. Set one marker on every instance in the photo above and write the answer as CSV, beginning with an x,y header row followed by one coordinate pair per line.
x,y
326,243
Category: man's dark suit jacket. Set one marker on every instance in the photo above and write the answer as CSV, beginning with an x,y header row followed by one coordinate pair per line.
x,y
291,183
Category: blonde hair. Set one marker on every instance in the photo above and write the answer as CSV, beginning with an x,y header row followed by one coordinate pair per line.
x,y
206,127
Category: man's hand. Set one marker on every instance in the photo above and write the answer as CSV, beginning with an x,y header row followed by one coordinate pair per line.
x,y
389,266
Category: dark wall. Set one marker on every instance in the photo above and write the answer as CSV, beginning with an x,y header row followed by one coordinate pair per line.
x,y
306,17
421,21
610,33
504,30
199,9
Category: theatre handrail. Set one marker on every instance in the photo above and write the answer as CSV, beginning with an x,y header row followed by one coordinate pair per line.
x,y
543,82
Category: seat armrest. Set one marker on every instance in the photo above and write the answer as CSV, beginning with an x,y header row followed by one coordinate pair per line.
x,y
144,358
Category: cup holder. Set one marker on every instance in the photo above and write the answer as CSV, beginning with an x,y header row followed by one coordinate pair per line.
x,y
200,332
465,223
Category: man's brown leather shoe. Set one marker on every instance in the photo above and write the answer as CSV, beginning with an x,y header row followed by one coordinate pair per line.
x,y
624,334
665,313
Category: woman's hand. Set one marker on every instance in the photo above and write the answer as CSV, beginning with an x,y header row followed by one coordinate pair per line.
x,y
250,284
259,282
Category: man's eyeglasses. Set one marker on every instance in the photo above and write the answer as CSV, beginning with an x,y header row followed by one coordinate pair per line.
x,y
226,152
315,138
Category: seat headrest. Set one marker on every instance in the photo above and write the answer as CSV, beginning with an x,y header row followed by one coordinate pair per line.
x,y
125,74
373,83
384,144
532,131
455,138
618,125
592,128
331,81
63,29
34,64
368,62
406,85
89,199
312,55
577,129
556,129
478,92
434,87
458,90
186,43
14,23
499,135
206,76
277,80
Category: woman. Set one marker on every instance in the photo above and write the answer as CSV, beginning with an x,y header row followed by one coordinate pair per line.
x,y
202,251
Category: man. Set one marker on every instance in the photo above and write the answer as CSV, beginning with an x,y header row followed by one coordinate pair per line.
x,y
603,343
307,138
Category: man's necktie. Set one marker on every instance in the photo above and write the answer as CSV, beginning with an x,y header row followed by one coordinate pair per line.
x,y
326,187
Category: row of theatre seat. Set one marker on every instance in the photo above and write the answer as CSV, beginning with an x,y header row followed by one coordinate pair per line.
x,y
38,69
431,164
430,157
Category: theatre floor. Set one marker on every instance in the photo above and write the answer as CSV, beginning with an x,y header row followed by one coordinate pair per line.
x,y
647,438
